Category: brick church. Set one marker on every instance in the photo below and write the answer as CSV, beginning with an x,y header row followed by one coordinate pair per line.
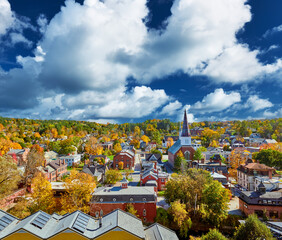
x,y
184,143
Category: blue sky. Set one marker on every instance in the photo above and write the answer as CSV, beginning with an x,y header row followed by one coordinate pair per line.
x,y
131,60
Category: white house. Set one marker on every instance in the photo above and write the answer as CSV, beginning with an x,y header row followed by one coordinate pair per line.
x,y
72,159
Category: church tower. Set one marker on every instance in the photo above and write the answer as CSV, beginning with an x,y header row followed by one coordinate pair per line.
x,y
185,135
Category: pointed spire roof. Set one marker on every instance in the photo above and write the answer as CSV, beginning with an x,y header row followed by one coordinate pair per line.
x,y
185,128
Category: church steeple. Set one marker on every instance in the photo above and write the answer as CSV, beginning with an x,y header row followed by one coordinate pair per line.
x,y
185,128
185,135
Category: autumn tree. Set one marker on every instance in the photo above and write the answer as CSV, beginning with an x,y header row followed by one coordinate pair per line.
x,y
180,162
253,229
92,147
113,176
117,148
9,175
120,165
135,142
170,142
42,195
198,154
79,188
130,209
180,217
237,158
145,139
35,159
6,145
208,135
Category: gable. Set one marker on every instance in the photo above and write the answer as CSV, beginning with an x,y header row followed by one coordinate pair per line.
x,y
118,233
68,234
20,235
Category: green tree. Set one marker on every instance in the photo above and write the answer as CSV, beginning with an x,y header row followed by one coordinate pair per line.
x,y
253,229
162,217
214,208
269,157
198,154
213,234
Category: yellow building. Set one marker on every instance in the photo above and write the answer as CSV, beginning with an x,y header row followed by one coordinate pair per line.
x,y
80,226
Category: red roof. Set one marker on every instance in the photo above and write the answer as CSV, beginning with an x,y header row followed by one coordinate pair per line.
x,y
258,166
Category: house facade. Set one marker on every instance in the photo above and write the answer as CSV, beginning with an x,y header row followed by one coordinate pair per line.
x,y
71,159
125,156
143,199
246,174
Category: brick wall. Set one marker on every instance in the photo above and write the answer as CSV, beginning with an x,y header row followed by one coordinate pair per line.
x,y
147,216
250,209
5,202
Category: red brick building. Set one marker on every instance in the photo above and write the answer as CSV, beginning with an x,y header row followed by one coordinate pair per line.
x,y
125,156
54,170
158,176
184,144
196,131
144,200
261,202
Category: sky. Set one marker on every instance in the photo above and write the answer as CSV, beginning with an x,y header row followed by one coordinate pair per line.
x,y
132,60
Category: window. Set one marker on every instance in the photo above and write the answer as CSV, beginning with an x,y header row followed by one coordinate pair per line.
x,y
101,199
131,199
144,212
144,199
114,199
144,219
187,155
273,214
101,213
97,214
162,180
245,206
259,213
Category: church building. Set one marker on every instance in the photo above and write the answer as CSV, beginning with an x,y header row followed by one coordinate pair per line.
x,y
183,144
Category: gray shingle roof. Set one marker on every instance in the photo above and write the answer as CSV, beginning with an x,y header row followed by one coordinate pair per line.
x,y
159,232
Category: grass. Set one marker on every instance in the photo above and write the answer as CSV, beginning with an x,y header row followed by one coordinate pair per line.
x,y
166,160
111,157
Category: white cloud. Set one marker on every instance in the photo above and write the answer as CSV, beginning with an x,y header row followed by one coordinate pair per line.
x,y
272,31
171,108
276,114
256,103
42,23
141,101
19,38
6,16
216,101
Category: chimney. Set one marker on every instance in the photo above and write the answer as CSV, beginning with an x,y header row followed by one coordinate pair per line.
x,y
100,222
270,174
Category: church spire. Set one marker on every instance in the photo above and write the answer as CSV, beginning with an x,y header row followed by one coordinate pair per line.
x,y
185,128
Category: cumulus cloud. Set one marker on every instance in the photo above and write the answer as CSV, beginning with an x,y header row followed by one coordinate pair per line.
x,y
88,52
6,17
216,101
255,103
171,108
275,114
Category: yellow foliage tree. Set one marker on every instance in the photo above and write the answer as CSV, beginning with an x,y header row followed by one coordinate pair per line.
x,y
79,189
117,147
42,195
6,145
92,147
213,143
145,139
120,165
237,158
169,142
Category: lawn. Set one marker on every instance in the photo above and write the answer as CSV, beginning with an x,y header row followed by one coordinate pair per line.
x,y
161,193
111,157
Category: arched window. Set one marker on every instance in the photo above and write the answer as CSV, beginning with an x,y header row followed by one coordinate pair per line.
x,y
187,155
101,213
